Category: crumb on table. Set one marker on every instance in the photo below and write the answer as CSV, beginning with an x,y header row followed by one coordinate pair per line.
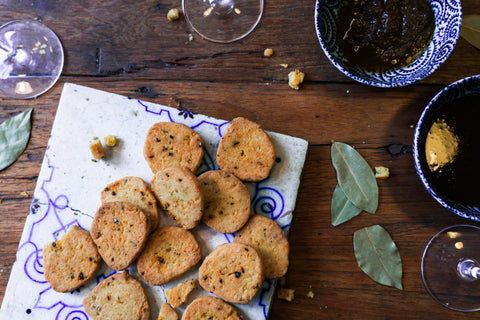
x,y
284,65
173,14
382,173
110,140
310,294
295,77
97,150
286,294
268,52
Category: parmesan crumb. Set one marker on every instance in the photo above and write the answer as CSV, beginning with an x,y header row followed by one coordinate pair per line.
x,y
268,52
310,294
173,14
25,194
97,149
110,141
284,65
382,173
295,78
286,294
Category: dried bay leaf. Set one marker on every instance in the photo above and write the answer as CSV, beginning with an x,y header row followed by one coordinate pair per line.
x,y
378,256
14,135
342,208
355,177
470,30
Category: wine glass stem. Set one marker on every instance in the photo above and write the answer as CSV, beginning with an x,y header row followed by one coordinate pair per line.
x,y
468,269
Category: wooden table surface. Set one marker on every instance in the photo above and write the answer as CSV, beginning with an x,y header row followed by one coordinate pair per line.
x,y
130,48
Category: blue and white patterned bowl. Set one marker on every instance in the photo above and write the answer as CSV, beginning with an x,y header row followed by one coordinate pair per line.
x,y
448,19
464,87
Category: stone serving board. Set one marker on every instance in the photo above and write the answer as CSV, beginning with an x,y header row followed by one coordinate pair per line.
x,y
69,185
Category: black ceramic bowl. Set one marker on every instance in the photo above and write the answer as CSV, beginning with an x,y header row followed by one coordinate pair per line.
x,y
461,88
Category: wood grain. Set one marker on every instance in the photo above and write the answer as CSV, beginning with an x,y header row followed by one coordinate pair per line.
x,y
130,48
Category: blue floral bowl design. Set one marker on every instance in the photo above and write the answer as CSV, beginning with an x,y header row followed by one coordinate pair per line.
x,y
464,87
448,20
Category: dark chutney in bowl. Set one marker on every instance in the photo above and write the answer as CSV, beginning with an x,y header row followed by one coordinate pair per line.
x,y
448,19
446,147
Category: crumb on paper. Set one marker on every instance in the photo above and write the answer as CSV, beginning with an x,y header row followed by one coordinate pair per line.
x,y
110,140
295,78
97,150
286,294
382,172
173,14
268,52
179,294
23,87
284,65
310,294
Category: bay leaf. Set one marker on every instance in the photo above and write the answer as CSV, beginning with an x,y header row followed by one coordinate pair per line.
x,y
378,256
470,30
14,135
342,209
355,177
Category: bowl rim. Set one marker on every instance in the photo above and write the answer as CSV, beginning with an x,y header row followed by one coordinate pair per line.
x,y
434,103
405,81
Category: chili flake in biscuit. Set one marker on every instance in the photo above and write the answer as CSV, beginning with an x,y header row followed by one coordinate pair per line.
x,y
171,251
227,201
120,296
119,230
233,271
71,261
170,144
266,236
246,150
180,196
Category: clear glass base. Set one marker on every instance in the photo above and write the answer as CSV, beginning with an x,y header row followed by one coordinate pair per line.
x,y
223,20
450,269
31,59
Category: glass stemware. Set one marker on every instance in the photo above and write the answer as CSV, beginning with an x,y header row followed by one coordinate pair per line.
x,y
31,59
223,21
450,268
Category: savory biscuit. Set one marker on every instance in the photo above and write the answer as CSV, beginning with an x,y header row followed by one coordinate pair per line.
x,y
178,295
167,313
119,230
246,150
120,296
179,194
233,271
135,191
170,252
171,144
227,201
207,307
71,261
266,236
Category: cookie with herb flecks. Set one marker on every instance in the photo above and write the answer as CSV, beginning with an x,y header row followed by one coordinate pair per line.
x,y
119,230
180,196
120,296
210,308
170,144
266,236
135,191
233,271
71,261
171,251
227,201
246,150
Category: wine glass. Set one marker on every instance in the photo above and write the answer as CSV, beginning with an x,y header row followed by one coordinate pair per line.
x,y
31,59
451,269
223,21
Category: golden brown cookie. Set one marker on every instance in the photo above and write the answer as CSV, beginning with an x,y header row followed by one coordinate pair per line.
x,y
266,236
170,144
246,151
71,261
119,230
170,252
167,313
179,294
135,191
207,307
120,296
227,201
180,196
233,271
